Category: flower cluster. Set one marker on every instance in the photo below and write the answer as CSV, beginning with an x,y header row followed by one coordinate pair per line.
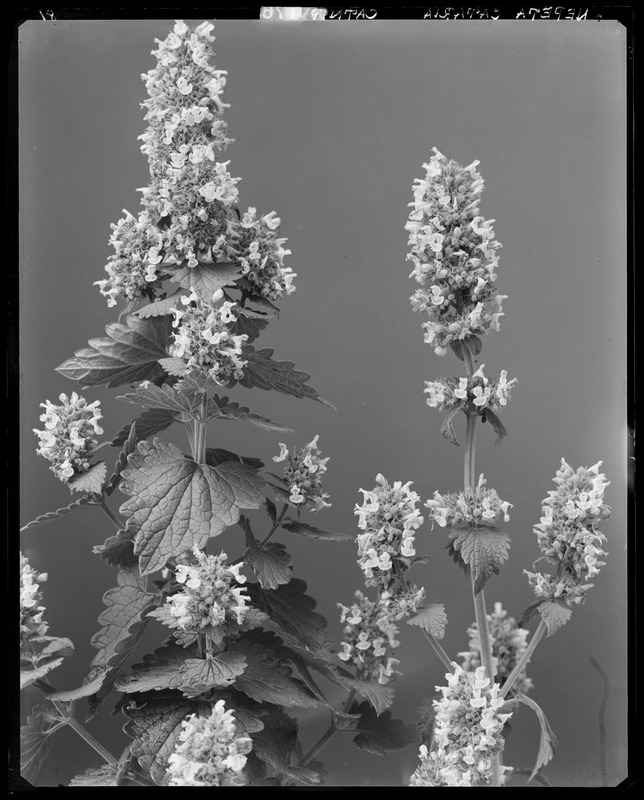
x,y
478,508
467,732
453,249
31,612
370,637
68,439
509,642
389,519
210,751
475,393
568,535
303,473
212,602
203,338
190,211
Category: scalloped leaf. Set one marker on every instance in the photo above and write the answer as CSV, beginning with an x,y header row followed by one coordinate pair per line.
x,y
174,366
128,447
129,354
159,670
379,695
263,372
303,528
201,674
123,620
380,734
223,408
47,653
495,422
154,723
148,423
555,614
272,565
90,481
431,618
35,741
250,324
290,608
267,679
217,455
160,307
206,279
447,429
176,504
118,550
59,512
165,397
547,741
276,745
482,550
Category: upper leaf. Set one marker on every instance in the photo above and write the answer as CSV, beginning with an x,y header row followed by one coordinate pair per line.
x,y
495,422
59,512
271,563
177,504
276,745
447,429
249,323
223,408
90,481
379,695
378,734
547,741
483,551
128,447
129,354
206,279
296,526
554,614
431,618
160,307
165,396
151,421
118,550
262,372
47,653
290,608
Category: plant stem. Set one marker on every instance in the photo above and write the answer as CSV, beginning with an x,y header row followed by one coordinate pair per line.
x,y
201,426
92,742
469,474
439,650
521,663
105,508
275,526
319,745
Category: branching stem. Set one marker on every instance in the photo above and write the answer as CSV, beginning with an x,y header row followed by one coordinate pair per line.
x,y
113,518
521,663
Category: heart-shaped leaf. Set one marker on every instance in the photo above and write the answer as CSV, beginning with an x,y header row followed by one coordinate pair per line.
x,y
431,618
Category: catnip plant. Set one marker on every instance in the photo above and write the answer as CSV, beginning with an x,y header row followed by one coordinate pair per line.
x,y
196,280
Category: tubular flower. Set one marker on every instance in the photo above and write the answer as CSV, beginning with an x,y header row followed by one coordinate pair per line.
x,y
467,732
370,637
203,338
476,393
212,602
210,751
567,533
303,473
453,249
389,519
190,210
478,508
31,612
509,642
68,439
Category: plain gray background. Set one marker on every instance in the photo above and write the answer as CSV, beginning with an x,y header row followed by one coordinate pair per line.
x,y
332,123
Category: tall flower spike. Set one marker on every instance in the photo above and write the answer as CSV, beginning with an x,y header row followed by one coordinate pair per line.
x,y
210,751
453,249
509,642
478,508
68,440
212,603
568,536
190,209
303,473
31,610
389,519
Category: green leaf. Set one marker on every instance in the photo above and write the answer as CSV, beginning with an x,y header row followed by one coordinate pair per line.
x,y
159,670
174,366
176,504
154,723
379,695
106,775
431,618
164,397
483,551
498,426
267,679
35,741
160,307
123,621
271,563
262,372
147,424
381,733
47,653
530,612
290,608
121,461
271,510
217,455
548,740
198,675
60,512
250,324
129,354
555,614
447,429
206,279
296,526
222,408
90,481
118,550
276,745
